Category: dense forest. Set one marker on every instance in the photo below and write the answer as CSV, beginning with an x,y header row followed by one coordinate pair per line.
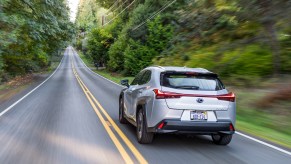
x,y
237,39
31,33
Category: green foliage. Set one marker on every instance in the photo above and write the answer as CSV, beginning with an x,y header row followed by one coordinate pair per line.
x,y
233,38
31,32
253,60
79,44
116,50
106,3
159,35
142,55
99,42
88,16
127,41
116,54
137,57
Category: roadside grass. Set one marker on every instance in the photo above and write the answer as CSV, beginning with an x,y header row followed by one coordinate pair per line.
x,y
113,76
6,92
86,60
264,133
14,86
271,124
116,77
3,86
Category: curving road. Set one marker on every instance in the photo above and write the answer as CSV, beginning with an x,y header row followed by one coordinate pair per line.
x,y
73,118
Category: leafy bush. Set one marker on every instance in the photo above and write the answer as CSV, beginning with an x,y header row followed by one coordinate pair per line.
x,y
99,42
116,54
137,57
252,60
79,44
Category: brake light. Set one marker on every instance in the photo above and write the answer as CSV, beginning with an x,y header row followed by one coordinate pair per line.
x,y
165,95
227,97
170,95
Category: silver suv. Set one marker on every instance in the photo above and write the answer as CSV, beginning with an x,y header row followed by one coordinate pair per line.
x,y
178,100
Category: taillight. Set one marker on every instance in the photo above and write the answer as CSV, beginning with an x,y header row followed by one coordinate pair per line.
x,y
228,97
165,95
170,95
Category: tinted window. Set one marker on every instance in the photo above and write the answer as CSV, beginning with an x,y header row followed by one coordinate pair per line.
x,y
137,78
191,81
146,77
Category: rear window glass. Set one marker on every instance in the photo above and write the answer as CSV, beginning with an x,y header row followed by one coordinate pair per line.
x,y
191,81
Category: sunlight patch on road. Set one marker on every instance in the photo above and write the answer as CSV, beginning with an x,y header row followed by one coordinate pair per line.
x,y
90,153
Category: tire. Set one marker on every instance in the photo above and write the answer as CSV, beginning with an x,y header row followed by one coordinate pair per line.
x,y
221,139
143,136
121,117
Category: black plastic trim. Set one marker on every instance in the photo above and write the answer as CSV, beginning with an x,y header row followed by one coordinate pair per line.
x,y
177,126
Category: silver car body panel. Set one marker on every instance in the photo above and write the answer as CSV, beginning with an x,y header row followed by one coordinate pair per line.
x,y
177,108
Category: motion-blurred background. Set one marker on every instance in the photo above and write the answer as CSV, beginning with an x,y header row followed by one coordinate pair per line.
x,y
248,43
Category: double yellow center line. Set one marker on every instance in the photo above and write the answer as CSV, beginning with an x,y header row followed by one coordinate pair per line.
x,y
99,111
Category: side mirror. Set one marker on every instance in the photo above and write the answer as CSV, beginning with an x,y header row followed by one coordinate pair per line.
x,y
124,82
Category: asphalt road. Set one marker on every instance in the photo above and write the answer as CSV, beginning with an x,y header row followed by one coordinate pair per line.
x,y
73,118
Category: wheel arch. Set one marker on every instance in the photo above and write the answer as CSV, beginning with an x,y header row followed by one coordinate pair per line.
x,y
121,95
141,105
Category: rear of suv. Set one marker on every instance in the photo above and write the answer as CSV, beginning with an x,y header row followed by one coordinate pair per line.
x,y
178,100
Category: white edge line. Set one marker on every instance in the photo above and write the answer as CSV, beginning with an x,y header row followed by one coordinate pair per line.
x,y
241,134
95,72
18,101
264,143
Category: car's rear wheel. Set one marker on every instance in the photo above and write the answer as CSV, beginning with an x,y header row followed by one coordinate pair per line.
x,y
221,139
122,119
143,136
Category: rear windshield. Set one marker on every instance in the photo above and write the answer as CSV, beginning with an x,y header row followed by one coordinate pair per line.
x,y
191,81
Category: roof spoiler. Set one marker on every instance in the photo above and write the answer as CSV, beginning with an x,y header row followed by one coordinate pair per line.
x,y
209,74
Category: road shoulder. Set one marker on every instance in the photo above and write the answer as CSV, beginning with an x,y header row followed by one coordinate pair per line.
x,y
18,87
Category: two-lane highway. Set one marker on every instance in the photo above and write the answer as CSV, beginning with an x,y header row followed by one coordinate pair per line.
x,y
73,118
55,124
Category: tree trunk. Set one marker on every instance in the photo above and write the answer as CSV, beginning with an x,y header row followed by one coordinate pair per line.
x,y
275,47
269,24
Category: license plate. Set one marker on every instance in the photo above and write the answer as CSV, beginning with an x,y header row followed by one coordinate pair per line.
x,y
195,115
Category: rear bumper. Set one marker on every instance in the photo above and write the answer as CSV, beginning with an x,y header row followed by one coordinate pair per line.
x,y
177,126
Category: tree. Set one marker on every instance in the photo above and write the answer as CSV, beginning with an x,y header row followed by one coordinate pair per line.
x,y
142,54
99,42
88,15
218,35
270,15
31,32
